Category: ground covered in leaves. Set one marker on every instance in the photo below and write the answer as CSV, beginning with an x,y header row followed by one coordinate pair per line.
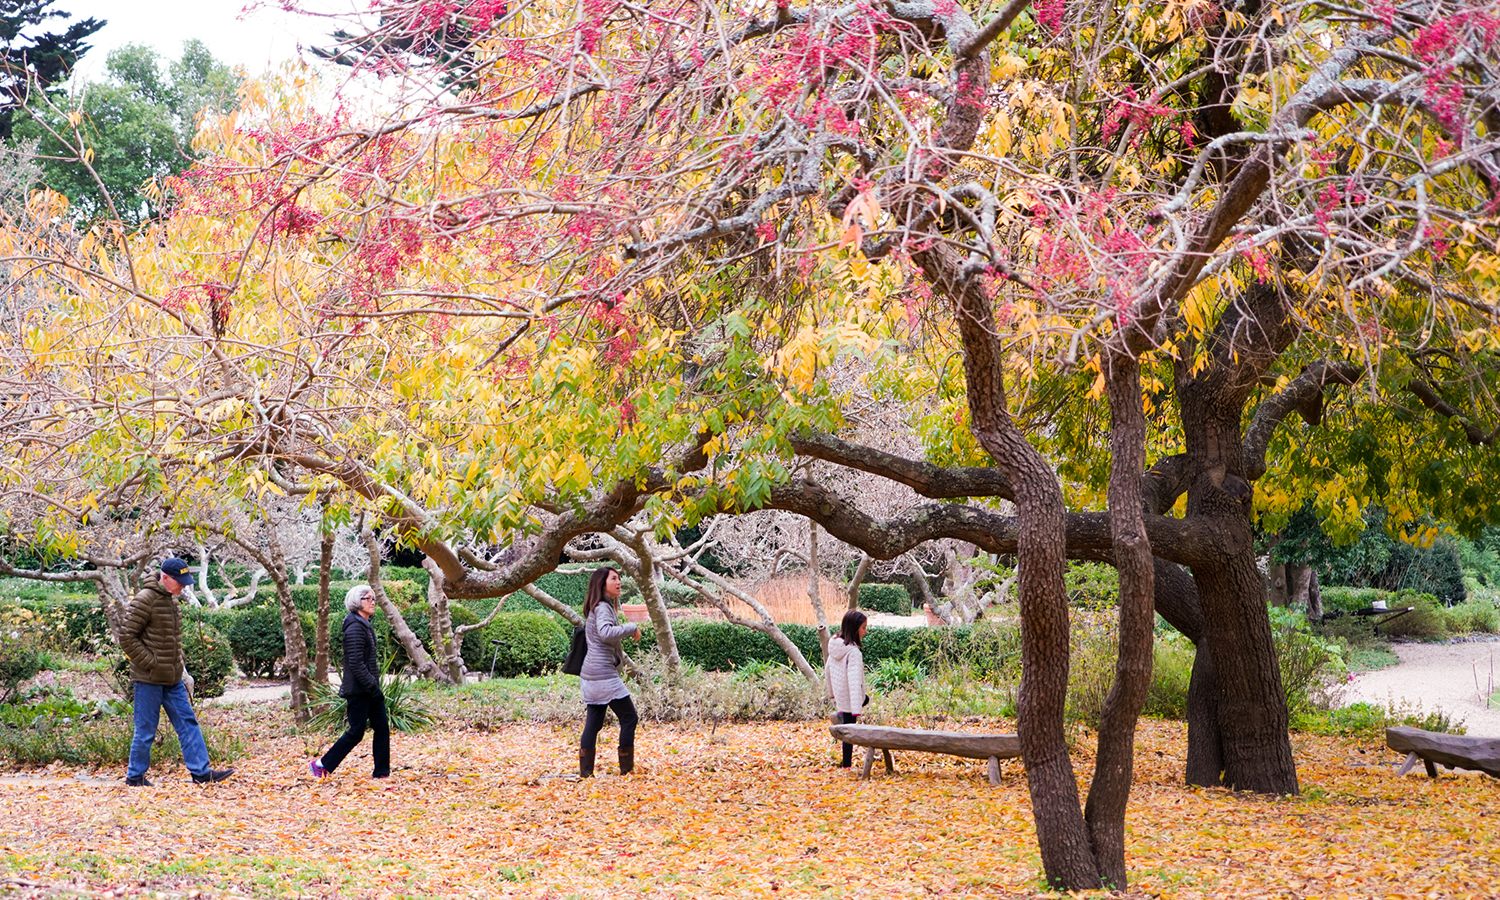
x,y
735,811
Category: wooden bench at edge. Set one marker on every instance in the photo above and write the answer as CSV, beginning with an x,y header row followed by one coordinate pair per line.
x,y
1456,751
992,747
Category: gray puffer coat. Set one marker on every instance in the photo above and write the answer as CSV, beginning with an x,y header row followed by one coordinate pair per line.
x,y
601,667
152,637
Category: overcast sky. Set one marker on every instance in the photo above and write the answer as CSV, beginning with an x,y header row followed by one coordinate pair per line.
x,y
258,39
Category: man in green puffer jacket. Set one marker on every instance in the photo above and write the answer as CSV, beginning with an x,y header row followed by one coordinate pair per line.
x,y
152,640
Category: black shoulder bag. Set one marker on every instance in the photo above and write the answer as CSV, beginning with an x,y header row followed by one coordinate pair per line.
x,y
573,665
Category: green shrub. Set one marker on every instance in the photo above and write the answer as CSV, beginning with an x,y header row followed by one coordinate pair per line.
x,y
1092,585
879,644
885,598
404,706
401,592
1171,675
1473,616
988,650
19,662
1307,661
1091,670
1428,620
571,587
532,643
678,595
1370,720
1349,599
59,623
475,650
209,658
721,646
257,641
891,674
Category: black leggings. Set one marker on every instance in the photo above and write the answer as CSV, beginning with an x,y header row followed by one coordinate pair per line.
x,y
363,708
593,720
848,719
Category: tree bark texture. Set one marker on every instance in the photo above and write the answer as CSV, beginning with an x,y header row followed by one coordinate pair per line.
x,y
402,631
291,627
325,576
1062,835
1109,793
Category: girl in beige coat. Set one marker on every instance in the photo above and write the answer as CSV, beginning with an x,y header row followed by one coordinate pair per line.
x,y
845,668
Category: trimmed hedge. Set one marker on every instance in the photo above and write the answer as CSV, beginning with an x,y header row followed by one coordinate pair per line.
x,y
1348,599
401,592
257,642
533,643
885,598
721,646
209,657
569,587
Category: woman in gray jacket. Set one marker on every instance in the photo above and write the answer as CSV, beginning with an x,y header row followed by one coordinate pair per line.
x,y
602,686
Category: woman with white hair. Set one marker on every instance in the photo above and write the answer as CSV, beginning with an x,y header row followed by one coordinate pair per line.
x,y
360,688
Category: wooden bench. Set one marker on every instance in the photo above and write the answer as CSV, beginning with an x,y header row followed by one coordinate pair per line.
x,y
1453,750
992,747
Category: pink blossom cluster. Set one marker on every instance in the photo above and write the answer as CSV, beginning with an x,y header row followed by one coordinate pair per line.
x,y
1140,114
1107,248
1049,14
591,28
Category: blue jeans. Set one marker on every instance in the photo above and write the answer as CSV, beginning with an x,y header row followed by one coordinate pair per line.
x,y
150,699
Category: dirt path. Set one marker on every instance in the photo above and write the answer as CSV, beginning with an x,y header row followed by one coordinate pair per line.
x,y
1456,678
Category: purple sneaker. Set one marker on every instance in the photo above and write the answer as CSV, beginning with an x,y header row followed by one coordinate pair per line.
x,y
317,770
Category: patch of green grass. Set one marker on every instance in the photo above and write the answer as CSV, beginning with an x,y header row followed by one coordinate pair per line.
x,y
1370,720
1368,659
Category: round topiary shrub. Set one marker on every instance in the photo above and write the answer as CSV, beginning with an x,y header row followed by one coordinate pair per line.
x,y
19,661
209,659
532,643
257,642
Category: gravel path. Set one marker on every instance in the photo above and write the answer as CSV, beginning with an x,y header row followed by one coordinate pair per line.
x,y
1455,678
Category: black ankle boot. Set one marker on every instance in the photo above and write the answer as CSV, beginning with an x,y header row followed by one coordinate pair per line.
x,y
585,763
627,760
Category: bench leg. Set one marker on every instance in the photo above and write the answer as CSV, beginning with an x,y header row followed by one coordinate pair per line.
x,y
869,762
994,771
1431,769
890,761
1411,760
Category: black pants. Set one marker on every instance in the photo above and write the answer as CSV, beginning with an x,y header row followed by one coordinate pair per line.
x,y
848,719
593,720
363,708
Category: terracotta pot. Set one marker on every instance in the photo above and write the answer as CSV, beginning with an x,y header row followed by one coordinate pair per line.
x,y
634,612
932,619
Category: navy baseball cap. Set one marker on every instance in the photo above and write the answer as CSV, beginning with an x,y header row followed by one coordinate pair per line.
x,y
178,570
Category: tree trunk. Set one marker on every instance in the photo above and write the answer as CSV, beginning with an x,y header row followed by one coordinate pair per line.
x,y
1278,593
1062,834
291,628
325,575
1109,793
860,572
648,578
1314,597
445,643
814,593
1177,602
402,631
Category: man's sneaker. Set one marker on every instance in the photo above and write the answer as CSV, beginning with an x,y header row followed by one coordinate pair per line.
x,y
137,781
213,775
316,768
